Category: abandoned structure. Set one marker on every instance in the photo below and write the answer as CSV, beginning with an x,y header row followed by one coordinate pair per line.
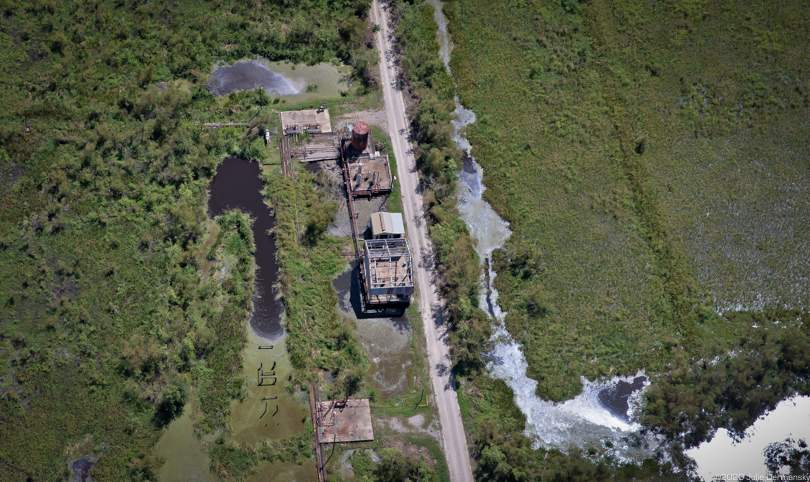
x,y
368,170
387,226
388,270
297,121
307,137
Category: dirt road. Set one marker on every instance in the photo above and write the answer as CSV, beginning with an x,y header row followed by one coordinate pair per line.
x,y
453,440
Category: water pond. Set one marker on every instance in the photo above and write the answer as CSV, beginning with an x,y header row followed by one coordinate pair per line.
x,y
238,185
292,82
723,456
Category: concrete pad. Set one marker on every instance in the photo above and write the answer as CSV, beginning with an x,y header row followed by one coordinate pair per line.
x,y
383,181
349,422
310,116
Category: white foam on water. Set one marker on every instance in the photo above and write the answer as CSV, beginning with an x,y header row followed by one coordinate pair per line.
x,y
582,421
488,229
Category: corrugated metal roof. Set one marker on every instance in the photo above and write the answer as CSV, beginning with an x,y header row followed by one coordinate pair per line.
x,y
387,223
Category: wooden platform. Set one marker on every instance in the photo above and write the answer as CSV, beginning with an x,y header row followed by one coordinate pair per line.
x,y
317,147
349,422
307,117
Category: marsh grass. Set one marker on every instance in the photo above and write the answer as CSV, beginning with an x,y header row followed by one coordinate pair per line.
x,y
649,159
606,147
102,306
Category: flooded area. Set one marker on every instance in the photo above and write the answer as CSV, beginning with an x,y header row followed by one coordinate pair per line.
x,y
238,185
268,410
722,455
603,411
186,458
584,421
386,338
292,82
285,415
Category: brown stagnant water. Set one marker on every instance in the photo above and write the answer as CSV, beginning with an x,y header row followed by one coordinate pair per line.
x,y
238,185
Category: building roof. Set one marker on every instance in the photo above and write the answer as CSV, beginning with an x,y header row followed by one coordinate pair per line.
x,y
387,223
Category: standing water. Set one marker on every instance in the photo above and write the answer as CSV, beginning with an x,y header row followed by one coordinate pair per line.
x,y
238,185
602,412
727,459
294,83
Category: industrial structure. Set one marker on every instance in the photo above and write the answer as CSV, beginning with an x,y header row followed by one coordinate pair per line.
x,y
308,137
368,170
388,270
387,226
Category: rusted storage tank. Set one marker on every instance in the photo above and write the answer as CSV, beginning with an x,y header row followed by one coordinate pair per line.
x,y
360,136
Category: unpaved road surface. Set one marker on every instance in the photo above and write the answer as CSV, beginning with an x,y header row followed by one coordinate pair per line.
x,y
453,440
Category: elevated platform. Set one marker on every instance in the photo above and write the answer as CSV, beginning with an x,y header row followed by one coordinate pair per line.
x,y
317,147
375,175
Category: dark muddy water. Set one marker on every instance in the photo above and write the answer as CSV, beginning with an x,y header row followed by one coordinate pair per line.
x,y
237,185
82,467
250,75
616,398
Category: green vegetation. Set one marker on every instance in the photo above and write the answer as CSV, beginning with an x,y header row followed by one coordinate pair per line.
x,y
393,466
224,334
640,172
110,317
232,461
318,338
431,108
603,173
394,200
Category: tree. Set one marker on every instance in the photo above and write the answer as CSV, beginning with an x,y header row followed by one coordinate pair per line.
x,y
173,400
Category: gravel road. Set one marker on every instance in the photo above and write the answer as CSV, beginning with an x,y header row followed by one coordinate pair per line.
x,y
453,440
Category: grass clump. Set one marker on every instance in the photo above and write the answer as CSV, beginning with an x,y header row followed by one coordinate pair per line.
x,y
233,461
